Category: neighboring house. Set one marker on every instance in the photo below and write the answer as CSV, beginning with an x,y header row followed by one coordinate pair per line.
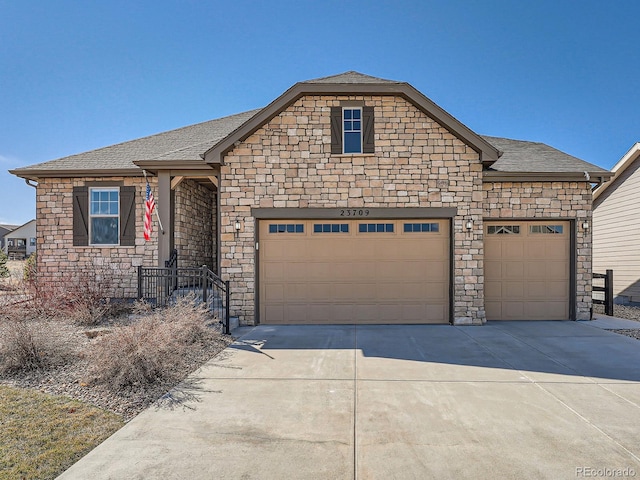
x,y
616,227
4,229
21,241
348,199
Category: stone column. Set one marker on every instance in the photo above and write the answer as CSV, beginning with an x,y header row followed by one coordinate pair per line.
x,y
163,206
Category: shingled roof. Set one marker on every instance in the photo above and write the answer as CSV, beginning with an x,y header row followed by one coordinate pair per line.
x,y
519,156
186,143
350,77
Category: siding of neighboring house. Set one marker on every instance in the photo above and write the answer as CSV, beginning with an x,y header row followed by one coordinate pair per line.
x,y
4,231
25,233
616,233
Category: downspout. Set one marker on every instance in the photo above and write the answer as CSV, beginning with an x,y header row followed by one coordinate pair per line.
x,y
27,180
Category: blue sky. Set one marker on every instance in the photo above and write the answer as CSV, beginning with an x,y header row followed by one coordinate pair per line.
x,y
78,75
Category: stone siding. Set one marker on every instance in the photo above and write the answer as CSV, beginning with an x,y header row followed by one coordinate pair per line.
x,y
552,200
195,215
60,262
287,163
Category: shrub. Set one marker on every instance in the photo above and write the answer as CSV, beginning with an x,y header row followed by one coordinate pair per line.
x,y
26,345
152,350
4,270
30,271
81,296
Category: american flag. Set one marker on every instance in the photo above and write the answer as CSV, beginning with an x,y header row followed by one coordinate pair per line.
x,y
149,206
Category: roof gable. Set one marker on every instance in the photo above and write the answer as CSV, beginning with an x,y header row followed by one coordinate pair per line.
x,y
350,83
618,170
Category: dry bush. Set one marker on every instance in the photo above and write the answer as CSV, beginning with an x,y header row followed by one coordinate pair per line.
x,y
152,350
81,296
27,344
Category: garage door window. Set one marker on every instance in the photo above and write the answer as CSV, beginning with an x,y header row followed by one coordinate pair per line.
x,y
331,228
375,228
286,228
551,229
421,227
503,229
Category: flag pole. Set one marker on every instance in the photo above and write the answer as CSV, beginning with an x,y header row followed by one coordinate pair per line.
x,y
144,172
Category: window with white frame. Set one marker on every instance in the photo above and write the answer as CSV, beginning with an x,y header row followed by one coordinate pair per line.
x,y
352,130
104,214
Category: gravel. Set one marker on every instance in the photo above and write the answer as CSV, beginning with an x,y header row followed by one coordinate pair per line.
x,y
623,311
68,377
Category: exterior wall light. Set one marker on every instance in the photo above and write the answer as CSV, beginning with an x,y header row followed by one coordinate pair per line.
x,y
585,225
237,226
469,224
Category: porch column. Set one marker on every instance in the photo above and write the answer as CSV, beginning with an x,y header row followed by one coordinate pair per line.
x,y
163,205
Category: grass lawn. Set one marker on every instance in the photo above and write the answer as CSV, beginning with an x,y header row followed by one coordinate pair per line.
x,y
42,435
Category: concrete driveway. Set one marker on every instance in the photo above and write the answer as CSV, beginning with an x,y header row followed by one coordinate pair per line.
x,y
506,400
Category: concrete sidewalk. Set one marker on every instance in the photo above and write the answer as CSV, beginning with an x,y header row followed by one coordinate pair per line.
x,y
506,400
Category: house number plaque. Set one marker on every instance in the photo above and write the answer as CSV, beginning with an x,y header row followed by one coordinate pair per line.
x,y
354,212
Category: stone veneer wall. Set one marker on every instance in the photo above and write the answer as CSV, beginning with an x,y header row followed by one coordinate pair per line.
x,y
59,262
562,200
195,214
287,163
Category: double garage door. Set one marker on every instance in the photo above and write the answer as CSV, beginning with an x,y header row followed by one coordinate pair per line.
x,y
354,271
398,271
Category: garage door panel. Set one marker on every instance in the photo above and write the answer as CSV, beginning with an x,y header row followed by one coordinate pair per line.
x,y
535,251
295,270
365,292
558,269
537,291
435,312
274,292
527,271
552,289
273,272
513,309
275,312
434,271
514,289
493,310
492,289
492,269
337,277
536,270
318,290
512,270
512,249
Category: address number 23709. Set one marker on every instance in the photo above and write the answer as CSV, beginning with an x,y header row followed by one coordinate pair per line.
x,y
354,212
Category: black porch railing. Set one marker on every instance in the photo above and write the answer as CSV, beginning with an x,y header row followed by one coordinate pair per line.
x,y
606,288
161,287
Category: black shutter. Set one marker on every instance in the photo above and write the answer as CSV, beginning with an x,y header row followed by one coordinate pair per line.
x,y
367,130
80,216
127,216
336,130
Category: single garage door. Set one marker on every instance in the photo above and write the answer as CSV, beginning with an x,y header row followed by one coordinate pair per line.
x,y
354,271
526,270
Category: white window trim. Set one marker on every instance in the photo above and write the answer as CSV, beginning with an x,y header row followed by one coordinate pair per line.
x,y
97,215
344,140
